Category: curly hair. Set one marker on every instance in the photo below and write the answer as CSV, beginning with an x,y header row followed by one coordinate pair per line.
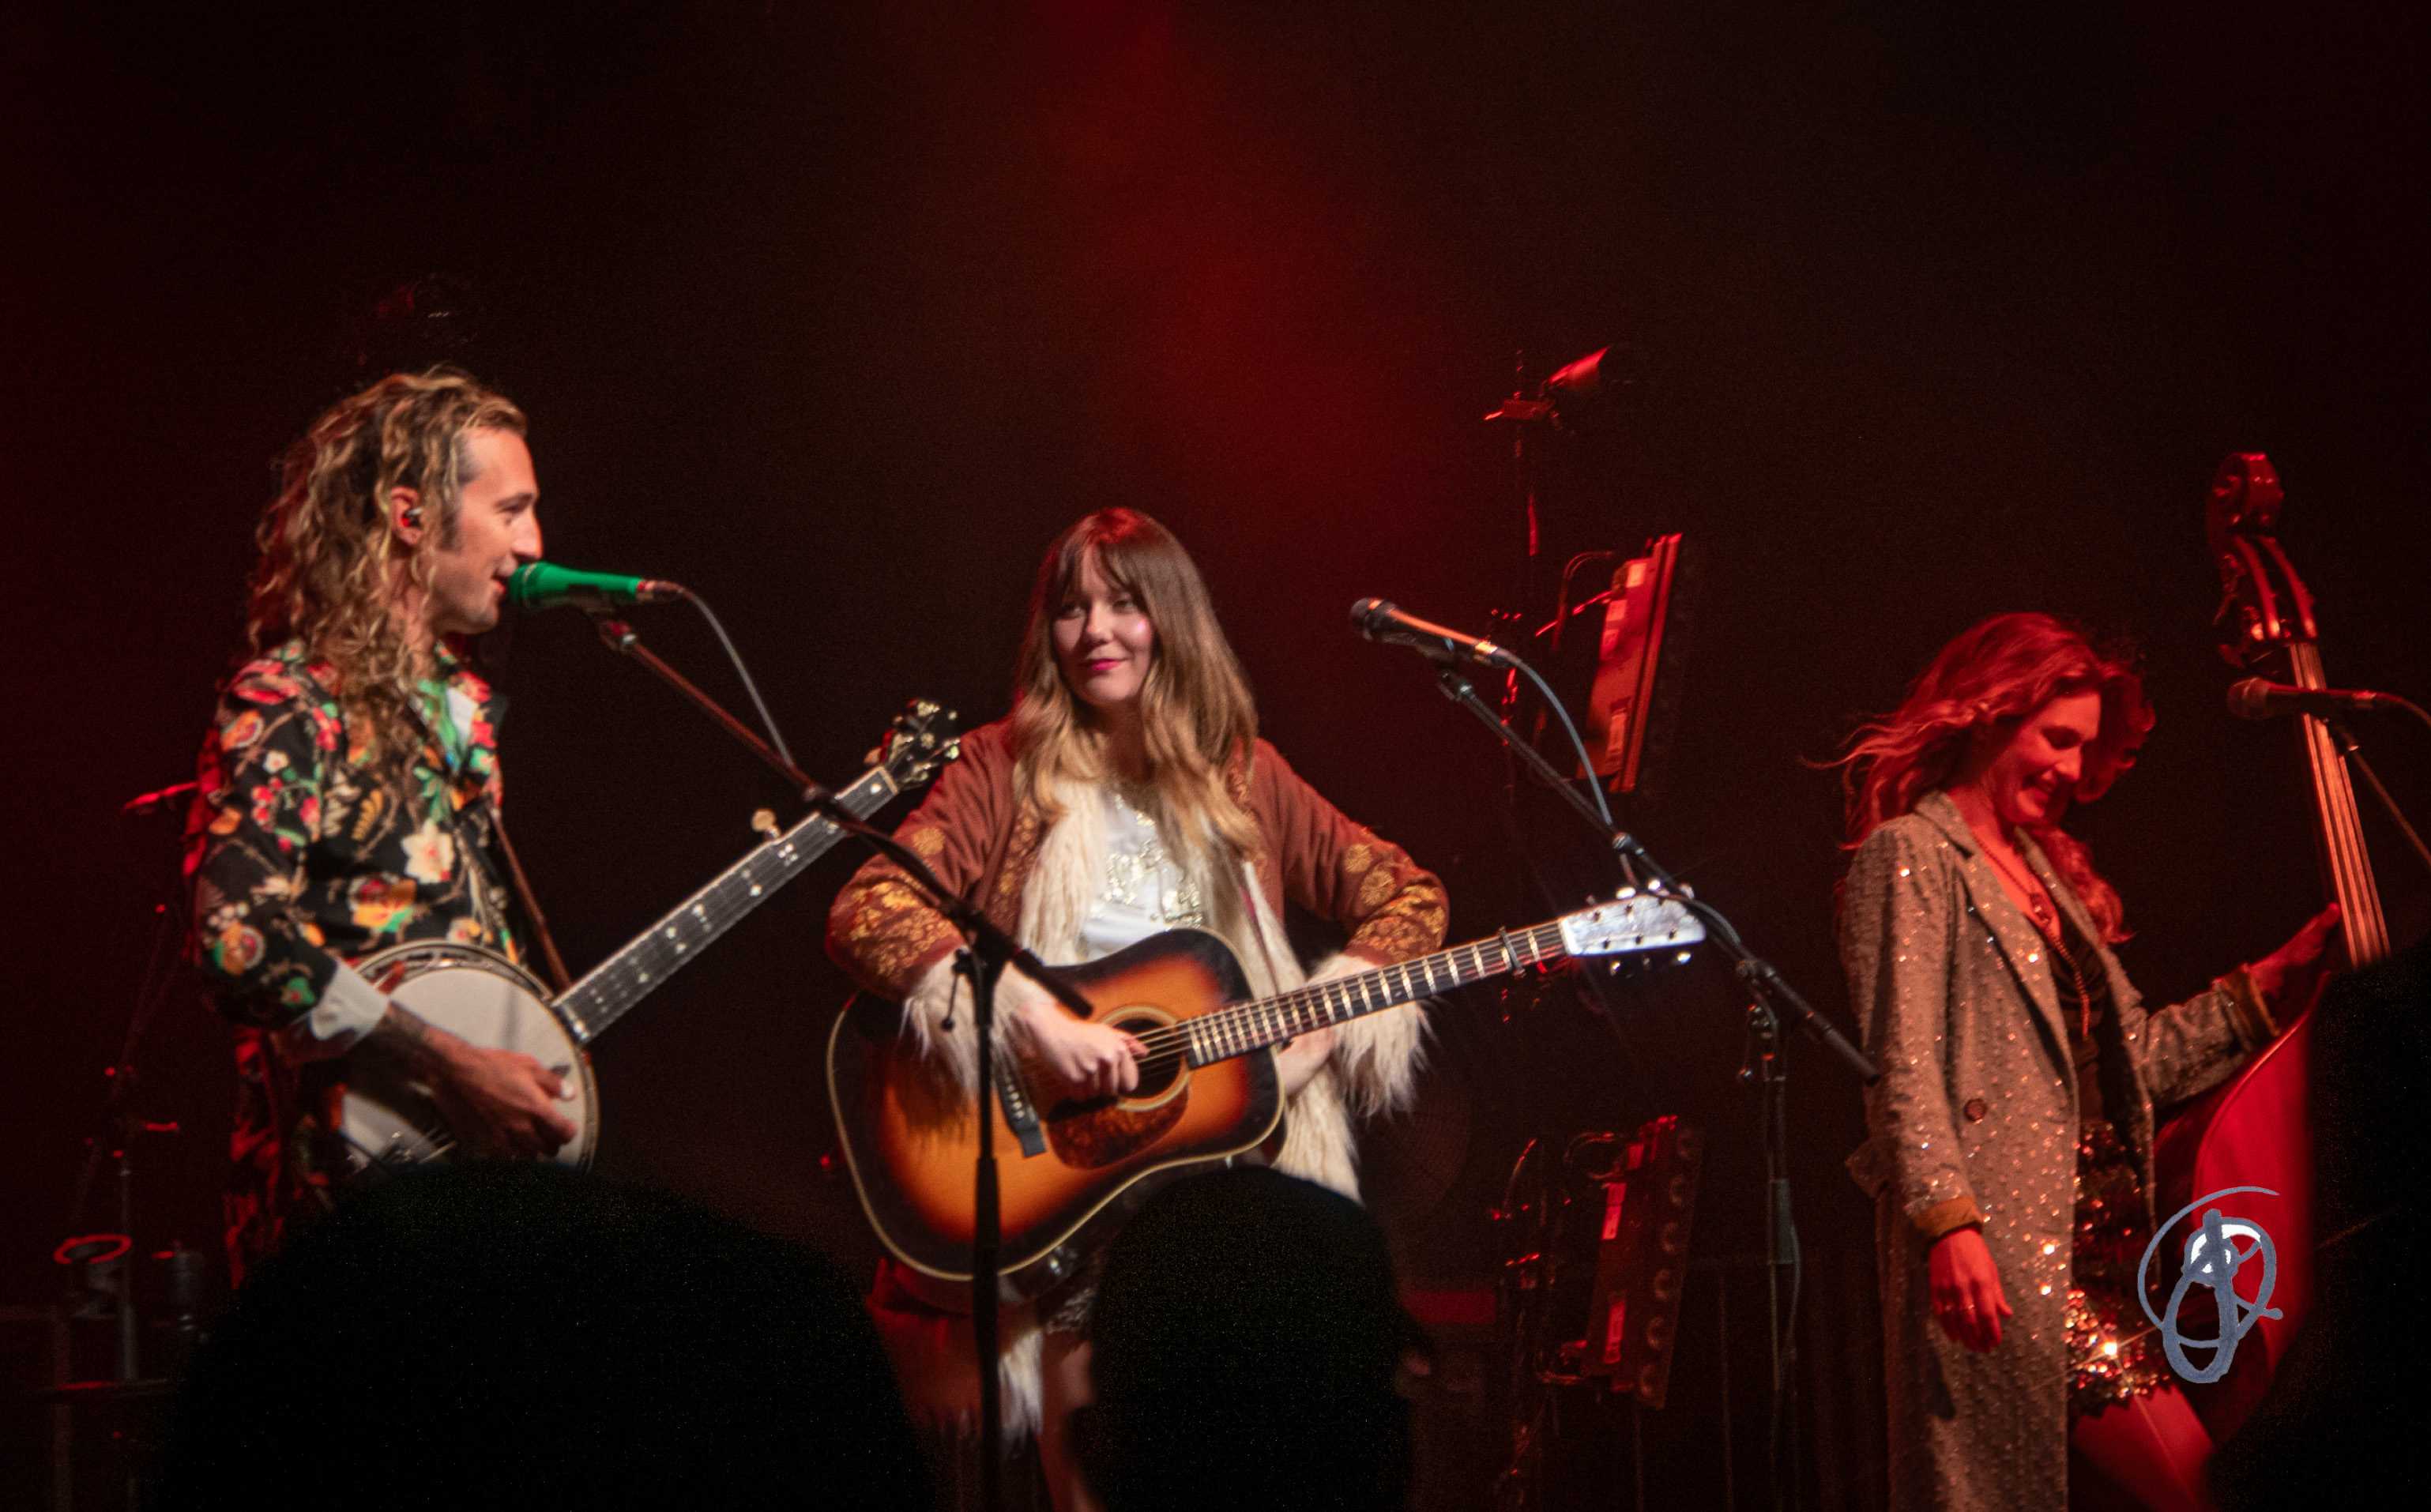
x,y
1194,705
1991,678
331,566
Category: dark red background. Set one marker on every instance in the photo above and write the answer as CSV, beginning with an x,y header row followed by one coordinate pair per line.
x,y
838,317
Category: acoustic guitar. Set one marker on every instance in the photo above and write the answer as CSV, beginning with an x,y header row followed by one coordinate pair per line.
x,y
1207,1091
390,1119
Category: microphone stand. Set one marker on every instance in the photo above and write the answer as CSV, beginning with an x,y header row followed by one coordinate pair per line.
x,y
622,639
983,963
1767,1062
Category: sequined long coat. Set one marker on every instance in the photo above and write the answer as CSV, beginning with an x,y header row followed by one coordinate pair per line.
x,y
1976,1117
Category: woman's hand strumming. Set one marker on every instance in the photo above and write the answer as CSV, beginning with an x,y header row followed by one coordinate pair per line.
x,y
1091,1059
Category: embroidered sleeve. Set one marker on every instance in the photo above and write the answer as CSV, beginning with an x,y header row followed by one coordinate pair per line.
x,y
882,930
256,812
1340,870
2190,1047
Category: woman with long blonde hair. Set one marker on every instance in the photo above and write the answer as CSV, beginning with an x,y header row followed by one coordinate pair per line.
x,y
2010,1149
1128,794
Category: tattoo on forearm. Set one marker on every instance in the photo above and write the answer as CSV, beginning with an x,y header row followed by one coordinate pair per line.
x,y
406,1029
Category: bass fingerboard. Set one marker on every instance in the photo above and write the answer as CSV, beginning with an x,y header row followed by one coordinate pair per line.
x,y
1244,1027
2346,861
602,997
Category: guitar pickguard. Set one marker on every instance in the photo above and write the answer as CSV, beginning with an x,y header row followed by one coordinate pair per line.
x,y
1091,1136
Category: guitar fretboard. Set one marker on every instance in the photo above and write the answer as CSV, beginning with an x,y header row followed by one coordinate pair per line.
x,y
1244,1027
634,972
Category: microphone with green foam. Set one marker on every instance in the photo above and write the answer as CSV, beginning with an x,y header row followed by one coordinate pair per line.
x,y
547,585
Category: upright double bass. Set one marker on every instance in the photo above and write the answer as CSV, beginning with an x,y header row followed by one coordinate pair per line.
x,y
2256,1130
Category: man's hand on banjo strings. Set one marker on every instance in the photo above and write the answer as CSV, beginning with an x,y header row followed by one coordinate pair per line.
x,y
500,1102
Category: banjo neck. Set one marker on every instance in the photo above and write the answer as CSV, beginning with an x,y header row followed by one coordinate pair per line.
x,y
392,1121
917,745
614,986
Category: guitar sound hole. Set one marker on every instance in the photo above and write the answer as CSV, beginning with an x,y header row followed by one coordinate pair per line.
x,y
1105,1132
1155,1075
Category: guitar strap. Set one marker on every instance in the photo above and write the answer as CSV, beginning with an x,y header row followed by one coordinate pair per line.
x,y
559,977
1279,967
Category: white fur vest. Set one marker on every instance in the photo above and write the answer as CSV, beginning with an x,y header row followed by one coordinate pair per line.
x,y
1372,1067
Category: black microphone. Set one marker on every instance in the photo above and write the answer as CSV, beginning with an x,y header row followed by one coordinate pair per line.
x,y
2260,699
1380,621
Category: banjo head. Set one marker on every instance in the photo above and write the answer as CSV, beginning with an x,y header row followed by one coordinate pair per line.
x,y
391,1121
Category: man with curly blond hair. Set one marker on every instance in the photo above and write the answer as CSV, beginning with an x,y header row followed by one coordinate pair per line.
x,y
349,787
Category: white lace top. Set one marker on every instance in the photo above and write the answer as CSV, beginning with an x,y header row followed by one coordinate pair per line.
x,y
1144,891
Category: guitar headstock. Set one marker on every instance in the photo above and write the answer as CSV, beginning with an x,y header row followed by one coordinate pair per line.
x,y
2263,605
1640,921
923,738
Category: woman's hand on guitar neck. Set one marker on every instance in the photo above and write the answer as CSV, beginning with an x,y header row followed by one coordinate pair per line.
x,y
1299,1062
500,1102
2290,976
1090,1060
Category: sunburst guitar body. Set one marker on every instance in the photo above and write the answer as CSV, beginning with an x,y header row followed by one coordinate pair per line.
x,y
1068,1171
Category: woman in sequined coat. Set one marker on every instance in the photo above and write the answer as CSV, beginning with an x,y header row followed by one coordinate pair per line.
x,y
2010,1138
1128,794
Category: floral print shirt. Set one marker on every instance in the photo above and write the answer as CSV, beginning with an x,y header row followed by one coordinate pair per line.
x,y
303,859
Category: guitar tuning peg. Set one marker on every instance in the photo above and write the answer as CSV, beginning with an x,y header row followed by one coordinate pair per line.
x,y
765,822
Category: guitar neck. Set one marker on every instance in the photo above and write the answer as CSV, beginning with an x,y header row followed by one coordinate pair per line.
x,y
1244,1027
632,973
2346,866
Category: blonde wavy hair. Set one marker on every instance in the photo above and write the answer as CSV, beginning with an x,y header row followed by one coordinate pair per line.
x,y
331,566
1990,678
1195,703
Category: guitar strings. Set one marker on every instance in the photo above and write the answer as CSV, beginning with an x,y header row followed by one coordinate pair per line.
x,y
1247,1025
1255,1020
1236,1022
1285,1009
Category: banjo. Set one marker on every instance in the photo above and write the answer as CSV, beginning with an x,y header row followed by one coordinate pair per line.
x,y
391,1121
